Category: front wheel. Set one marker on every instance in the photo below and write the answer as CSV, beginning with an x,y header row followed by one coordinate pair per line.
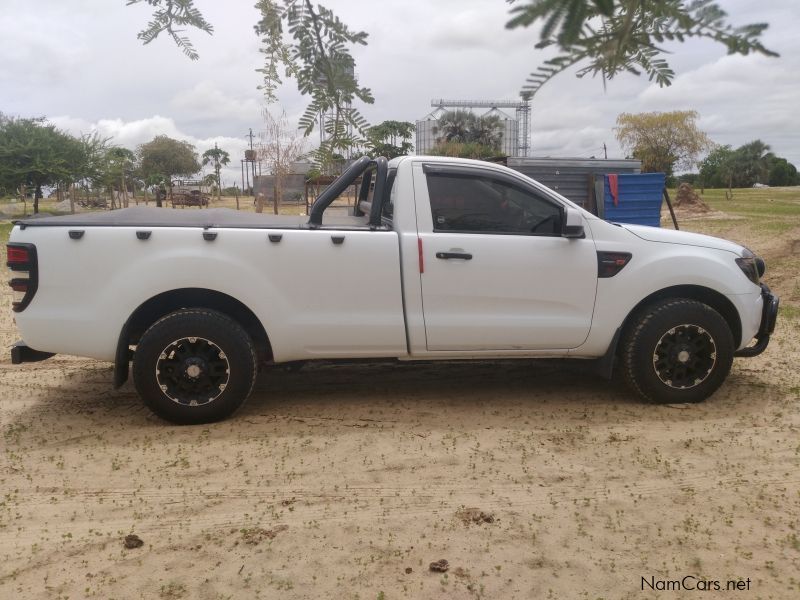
x,y
194,366
677,350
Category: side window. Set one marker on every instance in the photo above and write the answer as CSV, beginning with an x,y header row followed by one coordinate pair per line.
x,y
387,210
482,204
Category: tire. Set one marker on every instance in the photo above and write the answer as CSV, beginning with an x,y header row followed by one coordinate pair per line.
x,y
194,366
677,351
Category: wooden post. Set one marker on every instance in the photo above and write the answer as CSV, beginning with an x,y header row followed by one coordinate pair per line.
x,y
669,206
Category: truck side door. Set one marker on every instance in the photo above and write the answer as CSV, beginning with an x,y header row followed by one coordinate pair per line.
x,y
497,273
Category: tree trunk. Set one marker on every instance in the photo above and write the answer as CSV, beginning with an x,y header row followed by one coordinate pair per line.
x,y
277,176
277,193
37,194
72,198
24,193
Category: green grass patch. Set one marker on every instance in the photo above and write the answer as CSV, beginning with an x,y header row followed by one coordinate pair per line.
x,y
763,202
789,311
5,231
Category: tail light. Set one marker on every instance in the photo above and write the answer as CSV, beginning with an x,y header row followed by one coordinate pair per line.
x,y
22,263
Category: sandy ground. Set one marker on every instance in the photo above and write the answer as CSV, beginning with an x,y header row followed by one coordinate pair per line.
x,y
532,479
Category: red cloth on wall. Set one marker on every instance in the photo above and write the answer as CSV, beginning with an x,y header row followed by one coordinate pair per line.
x,y
613,185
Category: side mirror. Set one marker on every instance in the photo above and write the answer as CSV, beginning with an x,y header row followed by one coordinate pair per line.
x,y
573,224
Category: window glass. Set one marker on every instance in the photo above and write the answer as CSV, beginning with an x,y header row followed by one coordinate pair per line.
x,y
470,204
387,210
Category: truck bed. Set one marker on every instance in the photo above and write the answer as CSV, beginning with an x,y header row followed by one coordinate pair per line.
x,y
140,216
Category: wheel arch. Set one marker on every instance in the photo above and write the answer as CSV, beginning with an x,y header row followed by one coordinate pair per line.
x,y
165,303
706,295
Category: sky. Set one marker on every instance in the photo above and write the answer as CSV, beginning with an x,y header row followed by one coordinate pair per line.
x,y
79,63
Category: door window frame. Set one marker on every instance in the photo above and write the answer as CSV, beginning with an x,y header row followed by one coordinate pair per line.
x,y
444,170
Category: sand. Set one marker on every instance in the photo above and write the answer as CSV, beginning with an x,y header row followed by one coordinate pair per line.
x,y
531,479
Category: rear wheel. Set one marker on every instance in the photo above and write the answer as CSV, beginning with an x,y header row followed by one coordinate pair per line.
x,y
194,366
677,350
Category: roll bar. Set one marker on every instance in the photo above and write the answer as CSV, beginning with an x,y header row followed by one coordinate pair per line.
x,y
345,180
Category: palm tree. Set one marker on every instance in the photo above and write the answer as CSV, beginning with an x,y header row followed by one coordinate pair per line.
x,y
487,131
462,133
218,158
454,126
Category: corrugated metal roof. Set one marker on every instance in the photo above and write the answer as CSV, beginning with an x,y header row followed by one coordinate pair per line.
x,y
598,165
572,177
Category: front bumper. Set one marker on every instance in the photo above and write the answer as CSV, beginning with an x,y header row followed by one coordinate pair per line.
x,y
22,353
769,315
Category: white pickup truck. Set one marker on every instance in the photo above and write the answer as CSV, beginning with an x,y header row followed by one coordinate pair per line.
x,y
441,259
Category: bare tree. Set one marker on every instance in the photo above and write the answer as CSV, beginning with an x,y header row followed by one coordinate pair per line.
x,y
280,146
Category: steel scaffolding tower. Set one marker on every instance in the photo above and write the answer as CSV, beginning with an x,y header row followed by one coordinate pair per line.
x,y
523,114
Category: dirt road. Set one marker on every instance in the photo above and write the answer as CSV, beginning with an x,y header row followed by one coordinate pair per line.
x,y
532,479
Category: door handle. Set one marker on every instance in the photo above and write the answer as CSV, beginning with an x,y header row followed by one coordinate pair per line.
x,y
449,255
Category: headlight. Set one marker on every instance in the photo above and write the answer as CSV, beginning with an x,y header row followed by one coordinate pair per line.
x,y
748,266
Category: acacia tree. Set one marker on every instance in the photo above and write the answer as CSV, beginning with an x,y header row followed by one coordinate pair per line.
x,y
663,141
219,158
716,169
320,61
34,154
119,166
605,37
609,37
298,39
279,147
165,158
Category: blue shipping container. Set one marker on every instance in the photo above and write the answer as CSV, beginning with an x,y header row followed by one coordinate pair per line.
x,y
638,199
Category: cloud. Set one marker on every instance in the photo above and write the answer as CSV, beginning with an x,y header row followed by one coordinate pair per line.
x,y
82,60
739,98
473,30
131,134
205,102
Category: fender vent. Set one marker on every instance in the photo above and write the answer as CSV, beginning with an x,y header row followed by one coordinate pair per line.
x,y
611,263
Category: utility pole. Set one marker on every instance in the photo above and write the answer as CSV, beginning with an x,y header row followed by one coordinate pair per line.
x,y
253,164
605,150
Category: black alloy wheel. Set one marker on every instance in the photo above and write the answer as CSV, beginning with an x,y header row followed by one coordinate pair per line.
x,y
194,366
685,356
676,350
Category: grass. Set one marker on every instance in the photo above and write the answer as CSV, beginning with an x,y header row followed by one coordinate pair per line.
x,y
789,311
5,231
755,202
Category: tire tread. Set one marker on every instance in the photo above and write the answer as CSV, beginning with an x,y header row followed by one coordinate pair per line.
x,y
178,318
642,321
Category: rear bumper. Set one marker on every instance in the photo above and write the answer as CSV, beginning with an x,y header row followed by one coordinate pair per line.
x,y
22,353
769,315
